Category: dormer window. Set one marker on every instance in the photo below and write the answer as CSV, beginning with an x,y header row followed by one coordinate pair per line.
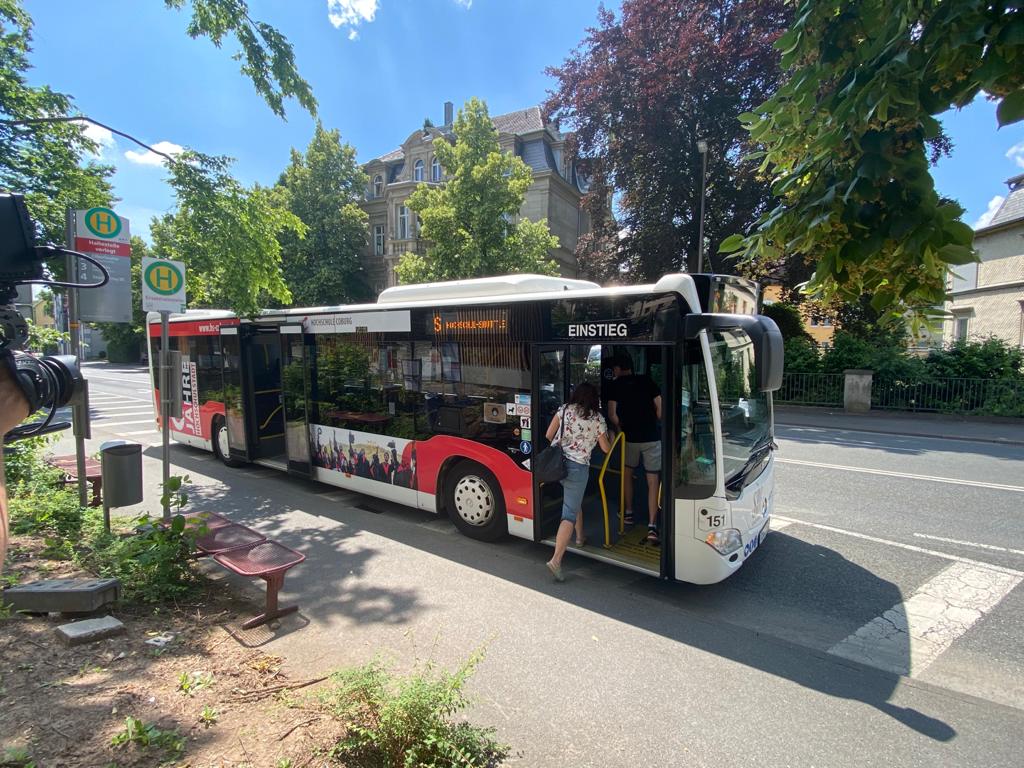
x,y
417,171
378,186
435,169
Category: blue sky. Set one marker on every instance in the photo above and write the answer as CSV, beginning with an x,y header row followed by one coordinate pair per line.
x,y
377,67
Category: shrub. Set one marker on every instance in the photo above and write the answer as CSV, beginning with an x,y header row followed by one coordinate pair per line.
x,y
991,358
801,356
42,506
788,318
407,722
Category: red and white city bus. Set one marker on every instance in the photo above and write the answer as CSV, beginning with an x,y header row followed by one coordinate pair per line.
x,y
438,397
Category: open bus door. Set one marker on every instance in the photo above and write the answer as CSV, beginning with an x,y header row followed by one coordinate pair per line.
x,y
557,369
262,392
294,390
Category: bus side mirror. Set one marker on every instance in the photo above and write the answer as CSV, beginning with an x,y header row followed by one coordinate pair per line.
x,y
764,334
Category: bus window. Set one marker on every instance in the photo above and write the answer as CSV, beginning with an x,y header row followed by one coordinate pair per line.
x,y
695,476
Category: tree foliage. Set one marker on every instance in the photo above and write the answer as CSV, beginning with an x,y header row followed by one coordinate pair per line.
x,y
267,56
226,234
469,220
639,92
51,163
323,188
845,140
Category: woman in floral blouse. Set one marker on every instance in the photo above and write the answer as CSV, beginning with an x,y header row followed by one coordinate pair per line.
x,y
584,427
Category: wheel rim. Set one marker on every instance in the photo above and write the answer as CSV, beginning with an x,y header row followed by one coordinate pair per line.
x,y
222,441
474,500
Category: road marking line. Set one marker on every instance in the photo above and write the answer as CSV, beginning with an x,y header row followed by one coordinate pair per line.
x,y
105,407
909,476
912,634
970,544
105,425
140,432
901,545
879,433
778,524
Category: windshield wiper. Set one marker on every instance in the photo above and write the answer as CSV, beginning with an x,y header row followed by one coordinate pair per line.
x,y
757,453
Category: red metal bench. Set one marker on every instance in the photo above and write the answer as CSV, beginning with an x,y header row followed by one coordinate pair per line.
x,y
225,538
93,474
269,561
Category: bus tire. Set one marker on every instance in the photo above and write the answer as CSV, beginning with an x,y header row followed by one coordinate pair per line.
x,y
220,442
474,502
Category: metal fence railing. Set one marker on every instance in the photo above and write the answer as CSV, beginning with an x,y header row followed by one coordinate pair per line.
x,y
811,389
996,397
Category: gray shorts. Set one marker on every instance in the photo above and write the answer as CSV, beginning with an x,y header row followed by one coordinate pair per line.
x,y
651,453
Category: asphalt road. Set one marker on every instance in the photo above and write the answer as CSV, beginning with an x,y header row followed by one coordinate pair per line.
x,y
879,625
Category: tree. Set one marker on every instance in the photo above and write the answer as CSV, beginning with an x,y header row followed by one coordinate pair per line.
x,y
639,92
469,220
845,141
322,188
267,56
42,161
124,340
227,235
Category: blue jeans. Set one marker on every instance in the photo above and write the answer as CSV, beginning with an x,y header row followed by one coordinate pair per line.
x,y
574,486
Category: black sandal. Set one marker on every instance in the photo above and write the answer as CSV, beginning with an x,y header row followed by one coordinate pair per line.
x,y
627,519
652,535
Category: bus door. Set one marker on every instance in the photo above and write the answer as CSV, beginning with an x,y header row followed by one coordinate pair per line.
x,y
294,388
559,368
551,390
262,391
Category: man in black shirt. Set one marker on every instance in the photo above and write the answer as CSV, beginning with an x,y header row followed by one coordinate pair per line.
x,y
635,409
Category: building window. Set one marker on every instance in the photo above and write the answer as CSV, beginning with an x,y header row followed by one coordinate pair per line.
x,y
402,222
417,171
378,186
435,169
961,326
378,240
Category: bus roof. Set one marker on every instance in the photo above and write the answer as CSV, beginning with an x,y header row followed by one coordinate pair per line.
x,y
680,283
502,285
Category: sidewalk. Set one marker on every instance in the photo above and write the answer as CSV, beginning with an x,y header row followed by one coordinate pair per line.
x,y
1005,431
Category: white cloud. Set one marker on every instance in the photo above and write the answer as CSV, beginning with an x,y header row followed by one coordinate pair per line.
x,y
467,4
104,139
351,13
1016,153
986,217
151,158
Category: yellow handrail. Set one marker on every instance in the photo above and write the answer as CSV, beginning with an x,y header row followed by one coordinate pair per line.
x,y
622,488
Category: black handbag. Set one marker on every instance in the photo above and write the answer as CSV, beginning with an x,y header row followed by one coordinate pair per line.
x,y
550,464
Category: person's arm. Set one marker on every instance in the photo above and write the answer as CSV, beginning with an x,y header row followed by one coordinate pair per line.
x,y
604,442
657,407
552,428
613,414
13,411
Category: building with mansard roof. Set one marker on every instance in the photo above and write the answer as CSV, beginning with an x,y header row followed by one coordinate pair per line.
x,y
987,297
554,194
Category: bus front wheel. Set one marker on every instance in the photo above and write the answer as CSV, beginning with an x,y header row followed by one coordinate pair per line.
x,y
474,502
220,443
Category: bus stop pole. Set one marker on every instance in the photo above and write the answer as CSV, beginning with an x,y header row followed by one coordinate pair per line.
x,y
76,350
165,409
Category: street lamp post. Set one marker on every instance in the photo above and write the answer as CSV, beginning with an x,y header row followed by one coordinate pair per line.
x,y
702,147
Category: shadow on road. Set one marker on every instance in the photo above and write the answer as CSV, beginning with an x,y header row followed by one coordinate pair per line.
x,y
331,582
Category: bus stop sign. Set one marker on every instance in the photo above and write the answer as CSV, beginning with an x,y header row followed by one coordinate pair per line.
x,y
163,285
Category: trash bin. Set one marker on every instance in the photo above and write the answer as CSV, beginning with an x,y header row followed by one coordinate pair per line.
x,y
121,469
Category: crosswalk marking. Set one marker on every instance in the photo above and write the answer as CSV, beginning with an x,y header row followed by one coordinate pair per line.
x,y
105,425
136,406
139,432
912,634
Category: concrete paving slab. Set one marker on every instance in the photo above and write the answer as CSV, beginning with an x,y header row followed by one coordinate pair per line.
x,y
89,630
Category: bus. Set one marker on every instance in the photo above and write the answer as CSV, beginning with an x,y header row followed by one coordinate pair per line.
x,y
438,396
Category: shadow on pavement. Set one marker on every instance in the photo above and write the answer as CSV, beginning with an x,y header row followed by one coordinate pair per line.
x,y
330,582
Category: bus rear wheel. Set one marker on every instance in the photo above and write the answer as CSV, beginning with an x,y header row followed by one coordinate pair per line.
x,y
474,502
220,443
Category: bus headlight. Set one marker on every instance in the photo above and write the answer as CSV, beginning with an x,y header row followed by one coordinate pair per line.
x,y
726,541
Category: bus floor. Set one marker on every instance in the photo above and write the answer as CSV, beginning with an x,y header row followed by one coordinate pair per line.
x,y
628,548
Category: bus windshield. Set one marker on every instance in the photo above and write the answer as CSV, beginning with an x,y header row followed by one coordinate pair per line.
x,y
746,423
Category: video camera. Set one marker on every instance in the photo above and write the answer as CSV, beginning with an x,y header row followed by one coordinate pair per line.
x,y
51,381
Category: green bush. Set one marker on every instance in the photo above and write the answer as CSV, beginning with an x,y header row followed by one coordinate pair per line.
x,y
802,356
407,721
788,318
153,563
991,358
